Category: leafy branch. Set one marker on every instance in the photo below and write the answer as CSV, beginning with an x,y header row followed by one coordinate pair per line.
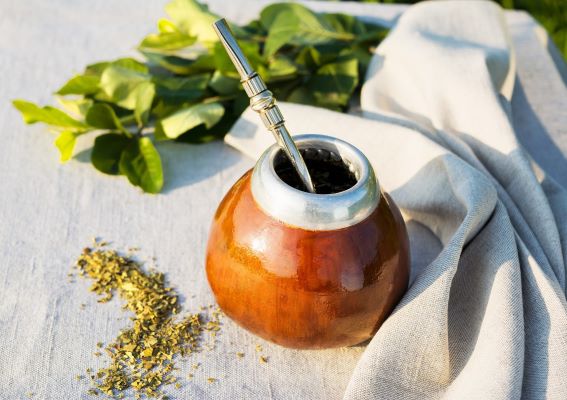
x,y
186,88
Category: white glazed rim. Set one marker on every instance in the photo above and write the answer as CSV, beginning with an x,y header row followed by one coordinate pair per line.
x,y
316,211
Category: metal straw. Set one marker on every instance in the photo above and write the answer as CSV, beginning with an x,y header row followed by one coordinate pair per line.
x,y
262,101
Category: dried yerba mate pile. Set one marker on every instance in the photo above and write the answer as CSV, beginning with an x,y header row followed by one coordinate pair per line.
x,y
142,356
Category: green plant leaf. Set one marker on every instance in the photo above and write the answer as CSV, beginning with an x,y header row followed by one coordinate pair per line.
x,y
31,114
373,37
97,69
280,68
120,83
80,84
292,23
65,142
164,108
269,14
344,23
253,29
107,150
202,134
250,49
221,60
187,118
159,135
308,57
145,96
131,64
179,65
77,107
166,26
181,89
301,95
141,163
167,41
223,84
362,55
102,116
193,18
334,83
331,86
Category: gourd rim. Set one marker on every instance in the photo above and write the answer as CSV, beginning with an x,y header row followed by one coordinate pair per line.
x,y
314,211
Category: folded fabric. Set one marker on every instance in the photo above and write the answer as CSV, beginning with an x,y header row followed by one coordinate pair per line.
x,y
485,316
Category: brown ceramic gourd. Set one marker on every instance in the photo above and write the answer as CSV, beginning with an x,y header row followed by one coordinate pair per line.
x,y
307,277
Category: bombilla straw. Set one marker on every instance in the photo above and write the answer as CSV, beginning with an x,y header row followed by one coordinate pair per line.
x,y
263,102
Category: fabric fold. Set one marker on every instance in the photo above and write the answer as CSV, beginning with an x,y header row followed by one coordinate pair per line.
x,y
487,317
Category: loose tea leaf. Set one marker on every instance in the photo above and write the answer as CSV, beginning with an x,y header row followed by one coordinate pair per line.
x,y
142,356
185,87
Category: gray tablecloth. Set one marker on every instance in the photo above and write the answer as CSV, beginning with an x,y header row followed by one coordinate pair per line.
x,y
49,212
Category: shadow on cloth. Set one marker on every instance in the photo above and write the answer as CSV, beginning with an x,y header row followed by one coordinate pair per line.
x,y
534,137
185,164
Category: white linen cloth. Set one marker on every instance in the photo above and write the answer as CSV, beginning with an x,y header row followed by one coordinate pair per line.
x,y
487,318
49,212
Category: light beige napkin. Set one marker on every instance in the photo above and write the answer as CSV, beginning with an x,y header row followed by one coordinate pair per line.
x,y
485,317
